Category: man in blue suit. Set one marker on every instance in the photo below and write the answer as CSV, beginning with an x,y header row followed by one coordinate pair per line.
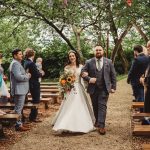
x,y
138,69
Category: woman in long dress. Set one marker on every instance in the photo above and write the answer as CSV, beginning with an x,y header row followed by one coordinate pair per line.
x,y
75,113
4,94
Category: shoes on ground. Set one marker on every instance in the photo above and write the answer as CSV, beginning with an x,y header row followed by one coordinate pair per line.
x,y
22,128
36,120
102,131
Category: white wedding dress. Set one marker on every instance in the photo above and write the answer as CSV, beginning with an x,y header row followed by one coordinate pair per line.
x,y
75,113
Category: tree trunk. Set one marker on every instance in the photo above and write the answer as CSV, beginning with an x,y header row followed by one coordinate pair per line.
x,y
77,32
107,43
119,41
123,59
141,32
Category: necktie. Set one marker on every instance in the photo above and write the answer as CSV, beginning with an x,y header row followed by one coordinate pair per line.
x,y
99,64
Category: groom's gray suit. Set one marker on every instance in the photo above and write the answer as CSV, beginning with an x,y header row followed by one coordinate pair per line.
x,y
99,91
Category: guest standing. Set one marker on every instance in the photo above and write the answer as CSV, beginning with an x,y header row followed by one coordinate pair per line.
x,y
34,84
19,85
138,68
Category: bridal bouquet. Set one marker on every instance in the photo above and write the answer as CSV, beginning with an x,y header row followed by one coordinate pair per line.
x,y
66,82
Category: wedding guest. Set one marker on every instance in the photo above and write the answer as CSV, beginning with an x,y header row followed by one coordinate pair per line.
x,y
19,86
146,83
137,69
4,94
34,84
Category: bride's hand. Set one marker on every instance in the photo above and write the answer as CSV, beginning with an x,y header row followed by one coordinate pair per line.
x,y
84,74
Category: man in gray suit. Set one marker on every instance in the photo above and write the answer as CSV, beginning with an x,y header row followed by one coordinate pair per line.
x,y
100,74
19,84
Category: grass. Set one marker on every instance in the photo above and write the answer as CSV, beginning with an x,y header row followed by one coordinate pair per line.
x,y
50,80
120,77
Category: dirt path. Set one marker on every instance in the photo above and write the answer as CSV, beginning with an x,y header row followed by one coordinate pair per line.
x,y
118,135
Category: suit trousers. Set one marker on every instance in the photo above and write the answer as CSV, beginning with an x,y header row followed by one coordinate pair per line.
x,y
19,101
35,93
99,102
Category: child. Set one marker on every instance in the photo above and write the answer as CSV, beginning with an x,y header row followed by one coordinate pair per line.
x,y
39,66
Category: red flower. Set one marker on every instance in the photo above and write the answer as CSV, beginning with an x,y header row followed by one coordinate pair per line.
x,y
129,2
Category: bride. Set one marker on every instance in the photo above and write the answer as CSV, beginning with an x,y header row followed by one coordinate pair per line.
x,y
75,113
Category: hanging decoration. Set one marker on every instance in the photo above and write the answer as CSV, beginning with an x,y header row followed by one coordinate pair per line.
x,y
129,2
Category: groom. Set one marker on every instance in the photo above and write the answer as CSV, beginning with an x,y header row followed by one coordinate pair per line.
x,y
100,74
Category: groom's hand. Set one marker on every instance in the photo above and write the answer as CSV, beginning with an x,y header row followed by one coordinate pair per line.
x,y
92,80
112,91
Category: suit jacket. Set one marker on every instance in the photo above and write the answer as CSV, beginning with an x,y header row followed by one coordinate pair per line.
x,y
31,67
109,74
19,80
137,69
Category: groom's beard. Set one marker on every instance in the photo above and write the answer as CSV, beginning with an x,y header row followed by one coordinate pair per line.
x,y
99,56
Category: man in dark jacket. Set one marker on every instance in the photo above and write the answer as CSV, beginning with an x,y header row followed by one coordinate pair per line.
x,y
138,69
34,84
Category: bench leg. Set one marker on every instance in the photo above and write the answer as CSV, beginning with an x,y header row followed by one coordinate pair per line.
x,y
46,105
54,100
2,135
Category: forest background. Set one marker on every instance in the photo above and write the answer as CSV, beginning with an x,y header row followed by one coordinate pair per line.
x,y
53,27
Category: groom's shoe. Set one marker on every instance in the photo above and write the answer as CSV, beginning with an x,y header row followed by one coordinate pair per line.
x,y
96,125
102,131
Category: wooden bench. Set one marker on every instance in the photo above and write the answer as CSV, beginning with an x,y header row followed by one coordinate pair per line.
x,y
49,90
45,100
54,96
7,117
141,130
49,87
11,105
49,83
145,146
137,104
140,115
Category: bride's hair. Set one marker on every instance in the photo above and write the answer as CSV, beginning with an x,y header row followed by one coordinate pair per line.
x,y
77,57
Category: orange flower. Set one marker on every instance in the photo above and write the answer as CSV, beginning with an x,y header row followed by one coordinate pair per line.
x,y
63,81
